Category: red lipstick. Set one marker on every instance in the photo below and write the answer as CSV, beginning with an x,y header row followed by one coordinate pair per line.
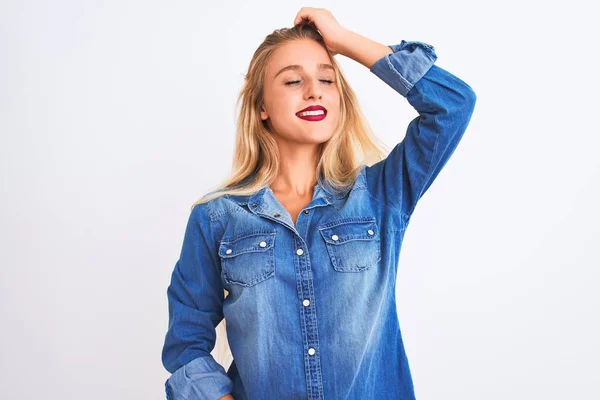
x,y
316,113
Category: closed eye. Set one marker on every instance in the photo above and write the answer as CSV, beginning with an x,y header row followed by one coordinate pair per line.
x,y
327,81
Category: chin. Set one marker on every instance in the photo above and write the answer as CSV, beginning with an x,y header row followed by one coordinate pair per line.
x,y
320,137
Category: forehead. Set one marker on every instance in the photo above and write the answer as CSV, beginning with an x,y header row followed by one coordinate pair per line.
x,y
307,54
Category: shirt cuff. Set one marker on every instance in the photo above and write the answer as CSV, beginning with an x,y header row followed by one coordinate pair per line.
x,y
202,378
401,69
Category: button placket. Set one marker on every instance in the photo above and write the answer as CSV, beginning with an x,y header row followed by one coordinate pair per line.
x,y
306,303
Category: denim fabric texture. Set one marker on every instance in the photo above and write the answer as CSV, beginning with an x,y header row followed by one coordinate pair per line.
x,y
311,311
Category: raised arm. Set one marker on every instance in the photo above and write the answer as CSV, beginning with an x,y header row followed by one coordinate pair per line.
x,y
195,296
444,103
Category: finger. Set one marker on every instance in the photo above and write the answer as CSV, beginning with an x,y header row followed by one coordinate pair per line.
x,y
299,16
301,19
304,14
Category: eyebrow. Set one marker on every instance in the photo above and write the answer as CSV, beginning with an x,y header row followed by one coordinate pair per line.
x,y
296,67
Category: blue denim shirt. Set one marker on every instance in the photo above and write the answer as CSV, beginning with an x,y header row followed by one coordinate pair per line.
x,y
311,311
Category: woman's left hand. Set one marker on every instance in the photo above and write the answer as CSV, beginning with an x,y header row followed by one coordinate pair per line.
x,y
325,23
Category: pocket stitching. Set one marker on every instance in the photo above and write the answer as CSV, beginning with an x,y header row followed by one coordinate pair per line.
x,y
267,252
270,237
333,246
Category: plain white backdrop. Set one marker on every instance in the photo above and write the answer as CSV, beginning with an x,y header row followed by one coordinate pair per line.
x,y
116,116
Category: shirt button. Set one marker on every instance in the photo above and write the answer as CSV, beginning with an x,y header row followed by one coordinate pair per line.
x,y
370,232
306,211
306,302
311,351
335,237
263,244
299,252
277,215
228,251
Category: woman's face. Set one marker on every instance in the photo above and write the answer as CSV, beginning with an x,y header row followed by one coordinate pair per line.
x,y
298,75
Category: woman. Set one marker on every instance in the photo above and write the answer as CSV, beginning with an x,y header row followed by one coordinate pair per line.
x,y
305,236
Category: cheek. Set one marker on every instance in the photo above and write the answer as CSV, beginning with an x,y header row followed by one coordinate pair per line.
x,y
335,114
285,106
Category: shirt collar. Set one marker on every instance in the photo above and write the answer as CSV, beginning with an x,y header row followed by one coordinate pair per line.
x,y
324,194
265,198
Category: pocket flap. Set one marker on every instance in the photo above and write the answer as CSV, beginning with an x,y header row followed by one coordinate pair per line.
x,y
349,229
259,241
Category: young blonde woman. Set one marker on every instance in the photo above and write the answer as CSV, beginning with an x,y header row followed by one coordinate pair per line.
x,y
298,250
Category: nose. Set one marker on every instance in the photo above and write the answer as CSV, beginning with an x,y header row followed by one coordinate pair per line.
x,y
313,89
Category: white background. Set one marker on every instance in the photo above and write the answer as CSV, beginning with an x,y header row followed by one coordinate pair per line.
x,y
117,115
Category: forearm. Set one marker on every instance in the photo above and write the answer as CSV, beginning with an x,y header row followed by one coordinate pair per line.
x,y
227,397
362,49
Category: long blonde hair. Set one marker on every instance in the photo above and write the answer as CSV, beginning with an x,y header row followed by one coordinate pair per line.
x,y
256,155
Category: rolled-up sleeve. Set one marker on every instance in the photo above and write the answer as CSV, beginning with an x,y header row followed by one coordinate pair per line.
x,y
195,298
405,66
444,104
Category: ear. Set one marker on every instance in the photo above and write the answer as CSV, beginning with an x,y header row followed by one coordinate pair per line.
x,y
263,114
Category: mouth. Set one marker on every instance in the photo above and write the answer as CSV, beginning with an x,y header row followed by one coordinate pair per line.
x,y
312,113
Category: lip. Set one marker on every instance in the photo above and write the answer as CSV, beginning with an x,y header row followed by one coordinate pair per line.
x,y
313,117
313,108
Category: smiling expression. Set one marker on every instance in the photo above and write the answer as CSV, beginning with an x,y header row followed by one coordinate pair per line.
x,y
300,75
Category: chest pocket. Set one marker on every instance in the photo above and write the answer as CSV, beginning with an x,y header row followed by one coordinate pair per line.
x,y
248,259
353,243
